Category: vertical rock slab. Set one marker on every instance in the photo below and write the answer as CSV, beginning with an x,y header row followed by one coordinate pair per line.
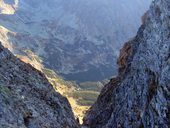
x,y
140,95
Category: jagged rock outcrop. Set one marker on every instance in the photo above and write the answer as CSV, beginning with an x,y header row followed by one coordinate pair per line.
x,y
140,95
27,100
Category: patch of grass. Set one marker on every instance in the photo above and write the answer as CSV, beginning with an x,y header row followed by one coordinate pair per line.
x,y
49,73
95,86
38,59
32,56
85,102
54,78
85,98
5,91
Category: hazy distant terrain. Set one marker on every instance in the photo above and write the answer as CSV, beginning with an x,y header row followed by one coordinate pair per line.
x,y
79,39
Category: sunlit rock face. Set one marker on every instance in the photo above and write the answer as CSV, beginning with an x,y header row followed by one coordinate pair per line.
x,y
76,38
8,6
139,97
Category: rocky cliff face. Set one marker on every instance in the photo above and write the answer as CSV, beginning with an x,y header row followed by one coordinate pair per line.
x,y
27,100
74,37
140,95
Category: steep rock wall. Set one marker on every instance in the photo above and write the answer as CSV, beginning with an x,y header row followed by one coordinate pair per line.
x,y
140,95
27,100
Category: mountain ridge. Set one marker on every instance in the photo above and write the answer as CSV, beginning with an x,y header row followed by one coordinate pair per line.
x,y
86,39
27,99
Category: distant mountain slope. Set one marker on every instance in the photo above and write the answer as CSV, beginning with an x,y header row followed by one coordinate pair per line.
x,y
27,100
75,38
140,96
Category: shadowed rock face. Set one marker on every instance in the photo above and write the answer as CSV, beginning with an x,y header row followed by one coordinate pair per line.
x,y
140,95
27,100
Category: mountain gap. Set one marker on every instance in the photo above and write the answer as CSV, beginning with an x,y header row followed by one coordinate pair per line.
x,y
76,48
79,61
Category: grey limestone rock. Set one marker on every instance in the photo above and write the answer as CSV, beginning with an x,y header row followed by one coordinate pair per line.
x,y
139,97
27,100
